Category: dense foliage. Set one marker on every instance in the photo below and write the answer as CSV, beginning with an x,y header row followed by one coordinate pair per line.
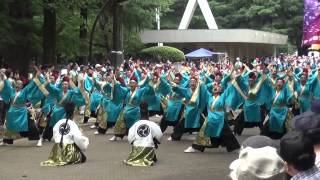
x,y
280,16
162,53
60,29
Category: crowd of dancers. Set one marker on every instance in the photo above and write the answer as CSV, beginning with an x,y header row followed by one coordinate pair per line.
x,y
202,96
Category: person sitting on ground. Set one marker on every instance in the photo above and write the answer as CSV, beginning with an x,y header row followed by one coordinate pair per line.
x,y
144,136
69,141
297,151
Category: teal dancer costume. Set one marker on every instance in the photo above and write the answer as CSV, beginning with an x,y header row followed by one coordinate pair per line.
x,y
18,119
155,92
131,112
279,113
111,105
194,103
193,106
215,131
73,95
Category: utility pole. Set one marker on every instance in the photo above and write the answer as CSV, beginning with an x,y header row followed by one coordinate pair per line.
x,y
117,45
158,22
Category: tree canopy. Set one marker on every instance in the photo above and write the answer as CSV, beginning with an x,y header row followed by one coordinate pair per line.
x,y
279,16
31,28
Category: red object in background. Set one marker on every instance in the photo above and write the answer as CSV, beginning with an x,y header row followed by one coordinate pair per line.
x,y
121,80
133,78
156,74
24,80
65,79
178,75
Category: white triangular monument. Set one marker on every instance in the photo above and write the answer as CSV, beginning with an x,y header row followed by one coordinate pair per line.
x,y
206,11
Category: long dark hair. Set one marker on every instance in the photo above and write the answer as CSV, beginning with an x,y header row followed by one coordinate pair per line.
x,y
69,110
144,110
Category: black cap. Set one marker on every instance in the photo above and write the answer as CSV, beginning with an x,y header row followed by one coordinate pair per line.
x,y
297,149
259,142
308,120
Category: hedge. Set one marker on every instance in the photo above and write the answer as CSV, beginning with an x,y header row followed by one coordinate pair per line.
x,y
162,53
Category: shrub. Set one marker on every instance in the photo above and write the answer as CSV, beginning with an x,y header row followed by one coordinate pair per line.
x,y
162,53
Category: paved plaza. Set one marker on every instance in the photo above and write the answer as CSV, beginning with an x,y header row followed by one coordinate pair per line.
x,y
22,160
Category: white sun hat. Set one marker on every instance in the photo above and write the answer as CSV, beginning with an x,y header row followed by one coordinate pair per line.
x,y
258,164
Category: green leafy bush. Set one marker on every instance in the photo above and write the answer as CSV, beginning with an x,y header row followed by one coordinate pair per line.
x,y
162,53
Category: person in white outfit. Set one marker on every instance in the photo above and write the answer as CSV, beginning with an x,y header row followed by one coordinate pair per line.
x,y
144,136
69,141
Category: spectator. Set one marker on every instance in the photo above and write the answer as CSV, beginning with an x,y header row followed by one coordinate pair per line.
x,y
259,142
297,151
309,123
254,164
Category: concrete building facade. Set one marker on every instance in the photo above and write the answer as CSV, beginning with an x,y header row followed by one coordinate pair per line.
x,y
235,42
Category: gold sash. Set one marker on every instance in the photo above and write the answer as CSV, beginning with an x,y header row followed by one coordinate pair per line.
x,y
156,85
195,94
302,89
15,97
273,103
114,82
171,75
235,84
273,82
40,86
291,83
72,84
1,85
257,86
132,96
143,81
63,98
276,98
201,138
214,103
84,93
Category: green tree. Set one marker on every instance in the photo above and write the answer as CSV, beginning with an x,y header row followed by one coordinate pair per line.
x,y
20,34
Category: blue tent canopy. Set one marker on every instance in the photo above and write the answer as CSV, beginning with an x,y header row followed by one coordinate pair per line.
x,y
200,53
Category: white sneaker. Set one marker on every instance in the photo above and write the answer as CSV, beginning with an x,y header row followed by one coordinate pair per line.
x,y
170,138
5,144
96,133
114,138
93,127
190,150
39,144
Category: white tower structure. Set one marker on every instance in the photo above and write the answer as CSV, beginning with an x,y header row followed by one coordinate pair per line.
x,y
206,11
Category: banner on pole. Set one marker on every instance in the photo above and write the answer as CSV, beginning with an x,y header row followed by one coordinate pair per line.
x,y
311,26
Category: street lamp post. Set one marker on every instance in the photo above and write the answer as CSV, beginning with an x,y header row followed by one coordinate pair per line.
x,y
117,41
158,22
